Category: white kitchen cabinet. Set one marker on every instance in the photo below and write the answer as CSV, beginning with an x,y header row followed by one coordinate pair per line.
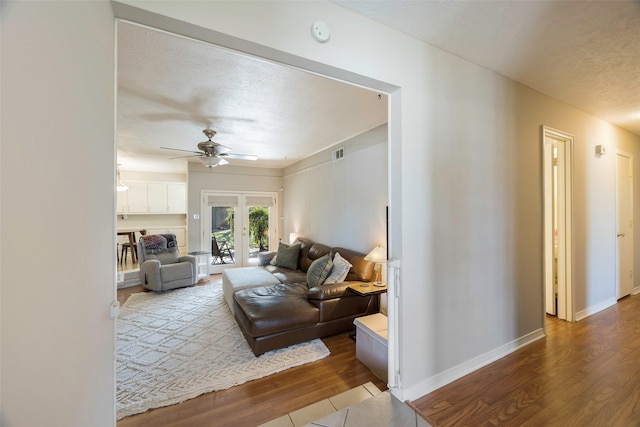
x,y
137,198
153,198
181,235
156,198
121,202
176,198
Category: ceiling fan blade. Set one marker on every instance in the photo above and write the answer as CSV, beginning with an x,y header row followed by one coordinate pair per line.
x,y
239,156
221,149
186,157
178,149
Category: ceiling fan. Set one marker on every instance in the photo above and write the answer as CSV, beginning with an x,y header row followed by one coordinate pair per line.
x,y
211,153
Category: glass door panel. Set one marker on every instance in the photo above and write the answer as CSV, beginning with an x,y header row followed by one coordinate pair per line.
x,y
223,235
237,227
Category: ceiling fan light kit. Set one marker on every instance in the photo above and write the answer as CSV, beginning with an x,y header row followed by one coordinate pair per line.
x,y
212,162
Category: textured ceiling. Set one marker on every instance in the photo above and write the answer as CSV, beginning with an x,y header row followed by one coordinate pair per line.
x,y
585,53
170,88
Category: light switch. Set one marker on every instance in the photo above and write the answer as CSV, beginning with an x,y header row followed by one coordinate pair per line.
x,y
196,216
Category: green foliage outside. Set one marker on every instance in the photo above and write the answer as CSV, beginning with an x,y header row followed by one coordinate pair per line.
x,y
259,227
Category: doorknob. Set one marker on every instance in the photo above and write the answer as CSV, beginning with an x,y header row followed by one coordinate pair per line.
x,y
620,234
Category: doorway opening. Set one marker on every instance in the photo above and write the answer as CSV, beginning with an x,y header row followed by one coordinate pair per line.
x,y
394,153
237,227
557,177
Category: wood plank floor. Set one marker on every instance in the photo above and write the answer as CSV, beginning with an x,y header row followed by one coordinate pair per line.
x,y
262,400
582,374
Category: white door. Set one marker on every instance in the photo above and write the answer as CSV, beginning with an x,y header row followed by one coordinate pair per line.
x,y
624,224
236,227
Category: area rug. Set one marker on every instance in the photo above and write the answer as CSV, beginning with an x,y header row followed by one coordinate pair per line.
x,y
177,345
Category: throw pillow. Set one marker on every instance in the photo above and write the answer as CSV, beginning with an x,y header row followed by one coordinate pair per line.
x,y
339,271
287,256
318,271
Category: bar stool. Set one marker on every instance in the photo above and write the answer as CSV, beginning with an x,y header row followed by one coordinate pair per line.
x,y
125,251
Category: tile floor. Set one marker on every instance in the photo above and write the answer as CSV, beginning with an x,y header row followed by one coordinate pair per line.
x,y
361,406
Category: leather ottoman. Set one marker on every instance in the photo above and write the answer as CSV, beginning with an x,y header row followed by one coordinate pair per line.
x,y
235,279
272,317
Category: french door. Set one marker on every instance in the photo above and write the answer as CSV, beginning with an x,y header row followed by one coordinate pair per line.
x,y
236,227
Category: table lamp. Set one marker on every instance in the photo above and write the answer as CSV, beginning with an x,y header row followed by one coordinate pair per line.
x,y
378,255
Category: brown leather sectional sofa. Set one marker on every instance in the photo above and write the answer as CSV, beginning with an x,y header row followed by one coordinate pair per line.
x,y
279,315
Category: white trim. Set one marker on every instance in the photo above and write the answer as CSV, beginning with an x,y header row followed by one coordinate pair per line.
x,y
635,290
565,221
465,368
596,308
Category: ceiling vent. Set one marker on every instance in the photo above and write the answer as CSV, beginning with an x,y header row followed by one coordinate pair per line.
x,y
338,154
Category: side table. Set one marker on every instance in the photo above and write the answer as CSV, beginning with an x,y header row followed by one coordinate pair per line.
x,y
202,264
365,291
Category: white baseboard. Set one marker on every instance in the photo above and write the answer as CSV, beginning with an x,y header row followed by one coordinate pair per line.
x,y
595,308
452,374
635,291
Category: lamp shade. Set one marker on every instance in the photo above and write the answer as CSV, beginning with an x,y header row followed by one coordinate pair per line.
x,y
377,255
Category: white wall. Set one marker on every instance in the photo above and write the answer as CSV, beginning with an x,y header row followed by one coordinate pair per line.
x,y
465,181
340,203
58,242
227,178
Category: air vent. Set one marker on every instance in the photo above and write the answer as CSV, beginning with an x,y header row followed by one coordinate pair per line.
x,y
338,154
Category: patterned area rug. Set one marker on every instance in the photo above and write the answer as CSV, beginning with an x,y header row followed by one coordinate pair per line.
x,y
177,345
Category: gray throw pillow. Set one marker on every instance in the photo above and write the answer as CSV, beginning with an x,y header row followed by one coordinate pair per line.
x,y
287,256
318,271
340,270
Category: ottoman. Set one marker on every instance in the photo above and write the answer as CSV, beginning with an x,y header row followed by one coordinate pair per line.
x,y
236,279
371,343
278,316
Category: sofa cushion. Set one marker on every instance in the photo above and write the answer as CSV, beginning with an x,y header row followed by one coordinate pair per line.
x,y
319,270
287,256
286,275
361,270
310,251
339,271
272,309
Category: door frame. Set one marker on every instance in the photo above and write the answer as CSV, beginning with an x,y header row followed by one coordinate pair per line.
x,y
565,301
241,218
394,243
629,229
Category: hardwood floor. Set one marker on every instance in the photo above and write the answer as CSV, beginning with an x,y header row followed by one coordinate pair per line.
x,y
262,400
582,374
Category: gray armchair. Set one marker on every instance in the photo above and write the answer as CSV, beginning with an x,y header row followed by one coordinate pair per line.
x,y
161,266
